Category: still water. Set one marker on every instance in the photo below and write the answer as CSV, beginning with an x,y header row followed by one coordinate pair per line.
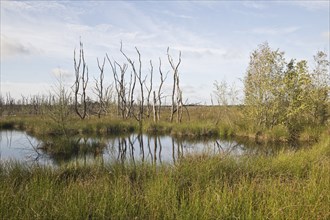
x,y
19,146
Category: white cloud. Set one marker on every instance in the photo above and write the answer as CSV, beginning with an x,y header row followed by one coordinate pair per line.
x,y
33,6
175,15
274,31
17,89
326,35
11,47
50,31
61,73
312,5
254,5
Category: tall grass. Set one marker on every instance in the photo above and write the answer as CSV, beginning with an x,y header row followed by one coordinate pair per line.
x,y
218,121
292,185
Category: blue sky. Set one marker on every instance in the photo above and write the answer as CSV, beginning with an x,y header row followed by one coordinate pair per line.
x,y
215,37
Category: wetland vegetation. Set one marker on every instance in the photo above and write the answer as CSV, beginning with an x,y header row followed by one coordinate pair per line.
x,y
284,103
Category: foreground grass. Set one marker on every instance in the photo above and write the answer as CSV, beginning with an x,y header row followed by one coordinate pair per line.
x,y
288,186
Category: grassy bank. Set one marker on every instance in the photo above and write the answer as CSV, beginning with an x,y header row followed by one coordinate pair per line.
x,y
206,121
288,186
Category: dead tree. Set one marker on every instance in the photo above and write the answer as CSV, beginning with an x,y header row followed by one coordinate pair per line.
x,y
138,75
130,98
179,102
80,106
117,87
176,91
141,82
162,80
99,89
154,110
124,104
149,90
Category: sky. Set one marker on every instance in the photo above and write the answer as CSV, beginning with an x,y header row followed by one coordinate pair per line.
x,y
216,38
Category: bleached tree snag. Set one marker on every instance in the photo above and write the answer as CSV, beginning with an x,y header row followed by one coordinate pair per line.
x,y
154,110
162,80
138,75
149,90
115,76
141,81
122,89
99,90
81,77
176,92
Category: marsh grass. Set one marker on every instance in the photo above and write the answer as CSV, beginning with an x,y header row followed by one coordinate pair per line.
x,y
211,121
291,185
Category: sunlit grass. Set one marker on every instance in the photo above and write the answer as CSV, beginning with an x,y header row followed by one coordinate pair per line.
x,y
291,185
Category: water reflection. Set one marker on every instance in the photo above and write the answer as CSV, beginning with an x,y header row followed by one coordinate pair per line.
x,y
16,145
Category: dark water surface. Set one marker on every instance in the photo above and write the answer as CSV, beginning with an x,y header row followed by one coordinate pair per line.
x,y
19,146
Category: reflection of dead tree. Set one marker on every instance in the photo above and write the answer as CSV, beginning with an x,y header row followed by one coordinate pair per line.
x,y
173,150
81,80
35,149
176,92
149,149
140,140
122,149
155,149
229,150
131,149
180,149
160,149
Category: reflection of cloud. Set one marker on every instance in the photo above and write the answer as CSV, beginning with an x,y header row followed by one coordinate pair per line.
x,y
11,47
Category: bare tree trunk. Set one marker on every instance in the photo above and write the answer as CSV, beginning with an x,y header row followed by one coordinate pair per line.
x,y
162,80
149,89
81,75
176,87
115,76
138,75
122,90
123,109
99,89
130,97
154,107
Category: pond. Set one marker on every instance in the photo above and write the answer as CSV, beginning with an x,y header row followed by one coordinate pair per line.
x,y
54,151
